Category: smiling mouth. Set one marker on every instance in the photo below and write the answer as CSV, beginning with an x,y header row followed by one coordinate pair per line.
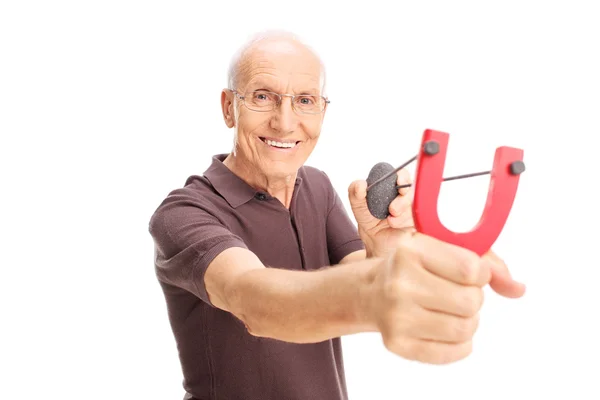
x,y
280,144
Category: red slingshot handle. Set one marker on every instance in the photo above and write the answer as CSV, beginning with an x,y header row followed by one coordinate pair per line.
x,y
504,180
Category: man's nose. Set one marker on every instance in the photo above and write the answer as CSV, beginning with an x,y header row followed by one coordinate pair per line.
x,y
285,118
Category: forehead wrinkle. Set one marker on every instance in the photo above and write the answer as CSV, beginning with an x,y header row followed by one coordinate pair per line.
x,y
272,80
256,59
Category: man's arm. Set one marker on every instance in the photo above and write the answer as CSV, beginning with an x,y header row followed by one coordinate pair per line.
x,y
294,306
358,255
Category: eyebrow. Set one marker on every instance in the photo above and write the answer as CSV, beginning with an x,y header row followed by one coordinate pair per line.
x,y
311,92
260,84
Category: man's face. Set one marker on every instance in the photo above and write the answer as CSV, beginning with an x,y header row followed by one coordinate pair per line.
x,y
278,67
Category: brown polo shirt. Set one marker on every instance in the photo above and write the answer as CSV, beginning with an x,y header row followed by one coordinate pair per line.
x,y
220,360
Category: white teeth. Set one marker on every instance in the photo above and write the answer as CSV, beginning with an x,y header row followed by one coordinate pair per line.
x,y
280,144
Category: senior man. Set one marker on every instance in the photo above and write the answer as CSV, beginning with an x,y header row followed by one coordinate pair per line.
x,y
263,270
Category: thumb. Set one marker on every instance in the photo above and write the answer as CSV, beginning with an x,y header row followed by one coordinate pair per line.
x,y
502,282
357,195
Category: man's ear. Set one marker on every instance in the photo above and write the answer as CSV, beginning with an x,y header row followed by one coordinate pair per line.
x,y
227,108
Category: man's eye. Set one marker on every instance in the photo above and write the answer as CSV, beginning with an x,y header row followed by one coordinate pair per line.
x,y
262,96
306,100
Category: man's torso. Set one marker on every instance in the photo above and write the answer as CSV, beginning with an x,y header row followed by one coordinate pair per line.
x,y
220,359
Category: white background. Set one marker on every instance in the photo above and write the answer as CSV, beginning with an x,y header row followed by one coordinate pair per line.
x,y
107,106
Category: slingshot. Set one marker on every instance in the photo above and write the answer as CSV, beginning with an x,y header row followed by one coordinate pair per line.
x,y
506,170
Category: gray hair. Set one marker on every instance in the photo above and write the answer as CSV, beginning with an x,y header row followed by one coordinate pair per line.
x,y
232,73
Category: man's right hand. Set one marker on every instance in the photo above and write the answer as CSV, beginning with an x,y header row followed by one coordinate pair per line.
x,y
426,299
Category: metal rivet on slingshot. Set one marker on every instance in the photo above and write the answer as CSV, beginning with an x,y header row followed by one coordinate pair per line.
x,y
507,167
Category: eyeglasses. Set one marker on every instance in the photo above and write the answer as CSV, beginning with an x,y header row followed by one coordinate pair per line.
x,y
264,101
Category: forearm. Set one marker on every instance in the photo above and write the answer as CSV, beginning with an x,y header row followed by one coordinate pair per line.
x,y
305,306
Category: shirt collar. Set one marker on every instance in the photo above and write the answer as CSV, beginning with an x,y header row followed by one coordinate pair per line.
x,y
233,188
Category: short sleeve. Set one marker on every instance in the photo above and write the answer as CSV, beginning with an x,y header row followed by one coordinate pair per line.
x,y
187,237
342,234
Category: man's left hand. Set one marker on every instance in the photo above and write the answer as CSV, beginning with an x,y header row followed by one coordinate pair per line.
x,y
378,235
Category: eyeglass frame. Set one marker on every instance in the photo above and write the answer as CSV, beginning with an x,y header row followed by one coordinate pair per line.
x,y
279,101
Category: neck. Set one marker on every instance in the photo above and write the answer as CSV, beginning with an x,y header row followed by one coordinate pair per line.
x,y
280,187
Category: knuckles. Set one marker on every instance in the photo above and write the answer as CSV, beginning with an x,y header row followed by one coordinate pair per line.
x,y
469,301
469,271
462,329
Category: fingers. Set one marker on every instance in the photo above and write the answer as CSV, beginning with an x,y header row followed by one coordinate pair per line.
x,y
401,207
440,327
451,262
451,299
435,294
404,179
417,285
426,311
357,195
401,213
357,191
402,222
429,352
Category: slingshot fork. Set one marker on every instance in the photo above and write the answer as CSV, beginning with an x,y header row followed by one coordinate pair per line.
x,y
504,180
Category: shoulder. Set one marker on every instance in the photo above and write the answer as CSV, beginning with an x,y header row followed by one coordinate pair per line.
x,y
195,192
195,198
